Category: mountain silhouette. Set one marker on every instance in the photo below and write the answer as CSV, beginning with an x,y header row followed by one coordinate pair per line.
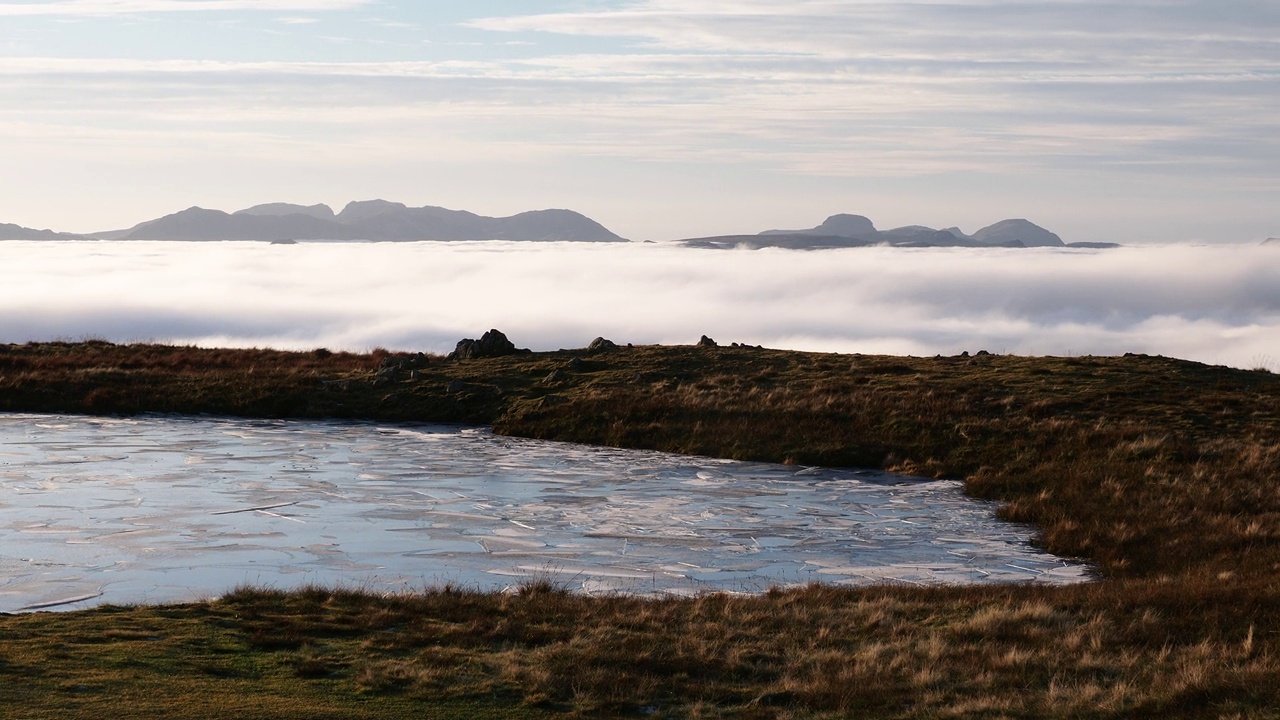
x,y
321,211
9,231
374,220
846,230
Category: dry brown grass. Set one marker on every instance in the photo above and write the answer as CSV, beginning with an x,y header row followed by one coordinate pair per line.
x,y
818,652
1163,472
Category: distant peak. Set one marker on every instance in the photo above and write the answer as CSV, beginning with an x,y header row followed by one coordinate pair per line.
x,y
1018,230
363,209
846,225
280,209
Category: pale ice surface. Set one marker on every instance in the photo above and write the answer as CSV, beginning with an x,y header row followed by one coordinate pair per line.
x,y
173,509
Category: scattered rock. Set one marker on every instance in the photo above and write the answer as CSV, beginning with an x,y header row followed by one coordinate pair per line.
x,y
601,345
457,386
964,354
576,364
553,378
491,344
707,342
982,353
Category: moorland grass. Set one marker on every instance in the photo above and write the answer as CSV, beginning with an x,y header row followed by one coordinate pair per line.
x,y
1164,473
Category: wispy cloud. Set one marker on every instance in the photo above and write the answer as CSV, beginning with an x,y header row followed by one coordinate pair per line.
x,y
1071,97
136,7
1218,305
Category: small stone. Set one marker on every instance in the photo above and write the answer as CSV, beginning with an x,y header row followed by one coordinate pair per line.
x,y
575,364
554,377
457,386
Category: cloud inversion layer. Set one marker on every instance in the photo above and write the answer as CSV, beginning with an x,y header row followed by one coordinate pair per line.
x,y
1214,304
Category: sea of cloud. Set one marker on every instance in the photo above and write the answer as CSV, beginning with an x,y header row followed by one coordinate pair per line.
x,y
1217,304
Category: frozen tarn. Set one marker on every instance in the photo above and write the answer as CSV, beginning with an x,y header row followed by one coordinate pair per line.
x,y
170,509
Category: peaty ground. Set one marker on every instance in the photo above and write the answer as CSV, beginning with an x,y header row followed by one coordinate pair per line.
x,y
1165,473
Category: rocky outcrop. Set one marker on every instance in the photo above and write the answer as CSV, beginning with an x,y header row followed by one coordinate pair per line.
x,y
600,345
491,344
707,342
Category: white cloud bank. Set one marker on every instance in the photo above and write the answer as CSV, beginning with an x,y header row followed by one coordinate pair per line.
x,y
1214,304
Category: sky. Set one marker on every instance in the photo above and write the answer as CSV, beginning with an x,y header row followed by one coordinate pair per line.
x,y
1142,121
1214,304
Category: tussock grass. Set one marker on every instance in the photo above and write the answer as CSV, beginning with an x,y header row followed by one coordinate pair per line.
x,y
815,652
1164,473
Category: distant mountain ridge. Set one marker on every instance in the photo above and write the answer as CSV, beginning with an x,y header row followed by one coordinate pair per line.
x,y
373,220
846,230
9,231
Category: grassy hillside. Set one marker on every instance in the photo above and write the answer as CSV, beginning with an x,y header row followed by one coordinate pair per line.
x,y
1165,473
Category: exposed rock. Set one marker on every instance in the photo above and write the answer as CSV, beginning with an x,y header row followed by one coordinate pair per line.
x,y
601,345
491,344
554,377
457,386
707,342
575,364
547,401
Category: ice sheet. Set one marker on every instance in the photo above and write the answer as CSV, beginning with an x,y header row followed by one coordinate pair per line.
x,y
162,509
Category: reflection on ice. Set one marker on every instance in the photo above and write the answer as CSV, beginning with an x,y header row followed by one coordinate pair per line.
x,y
175,509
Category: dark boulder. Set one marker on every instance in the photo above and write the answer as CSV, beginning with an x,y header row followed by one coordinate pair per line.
x,y
707,342
491,344
601,345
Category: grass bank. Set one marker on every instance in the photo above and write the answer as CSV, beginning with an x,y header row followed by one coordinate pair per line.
x,y
1165,473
